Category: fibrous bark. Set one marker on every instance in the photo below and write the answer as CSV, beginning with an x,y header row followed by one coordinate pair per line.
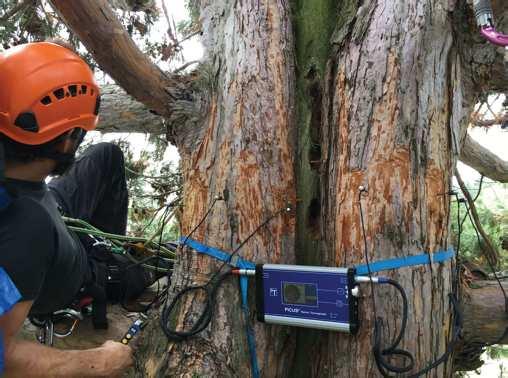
x,y
396,98
485,322
246,150
394,108
120,112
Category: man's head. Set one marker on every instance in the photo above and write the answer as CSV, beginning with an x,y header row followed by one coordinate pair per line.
x,y
48,98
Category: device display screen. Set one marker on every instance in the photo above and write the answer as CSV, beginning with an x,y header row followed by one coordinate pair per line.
x,y
300,294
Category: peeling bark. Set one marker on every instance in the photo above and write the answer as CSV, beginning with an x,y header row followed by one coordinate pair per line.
x,y
394,109
247,150
395,96
483,160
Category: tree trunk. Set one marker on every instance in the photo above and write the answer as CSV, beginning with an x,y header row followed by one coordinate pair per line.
x,y
246,150
104,36
384,106
393,111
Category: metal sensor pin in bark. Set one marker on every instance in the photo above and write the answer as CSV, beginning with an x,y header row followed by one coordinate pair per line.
x,y
485,19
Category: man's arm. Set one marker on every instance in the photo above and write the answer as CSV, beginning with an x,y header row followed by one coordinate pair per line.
x,y
24,358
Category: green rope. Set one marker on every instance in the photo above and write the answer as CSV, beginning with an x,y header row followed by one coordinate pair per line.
x,y
117,241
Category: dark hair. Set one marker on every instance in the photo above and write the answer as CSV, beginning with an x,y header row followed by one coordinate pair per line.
x,y
25,153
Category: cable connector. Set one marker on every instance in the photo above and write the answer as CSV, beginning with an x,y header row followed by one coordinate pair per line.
x,y
376,280
244,272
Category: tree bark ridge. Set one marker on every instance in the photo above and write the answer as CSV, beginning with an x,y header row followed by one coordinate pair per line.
x,y
246,151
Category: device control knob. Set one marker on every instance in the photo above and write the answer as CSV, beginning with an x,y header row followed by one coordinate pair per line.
x,y
355,292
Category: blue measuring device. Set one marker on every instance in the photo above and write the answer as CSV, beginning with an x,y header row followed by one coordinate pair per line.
x,y
307,296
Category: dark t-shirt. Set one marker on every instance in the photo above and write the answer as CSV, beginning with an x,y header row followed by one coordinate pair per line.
x,y
45,261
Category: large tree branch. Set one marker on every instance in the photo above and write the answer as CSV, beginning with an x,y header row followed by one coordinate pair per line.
x,y
101,32
121,113
483,160
485,322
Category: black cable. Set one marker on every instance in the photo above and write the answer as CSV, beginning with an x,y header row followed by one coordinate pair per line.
x,y
456,280
365,251
209,289
380,355
480,245
168,273
210,294
157,257
460,228
457,329
479,189
217,198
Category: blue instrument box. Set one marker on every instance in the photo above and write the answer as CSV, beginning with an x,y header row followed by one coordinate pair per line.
x,y
307,296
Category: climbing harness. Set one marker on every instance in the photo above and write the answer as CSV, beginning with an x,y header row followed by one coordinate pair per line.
x,y
485,20
139,251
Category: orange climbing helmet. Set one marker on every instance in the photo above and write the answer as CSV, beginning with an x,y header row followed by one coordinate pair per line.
x,y
45,91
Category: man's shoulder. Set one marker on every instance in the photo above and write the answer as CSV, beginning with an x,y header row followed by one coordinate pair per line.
x,y
27,218
27,245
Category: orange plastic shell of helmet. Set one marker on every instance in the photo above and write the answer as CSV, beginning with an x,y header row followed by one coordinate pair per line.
x,y
45,91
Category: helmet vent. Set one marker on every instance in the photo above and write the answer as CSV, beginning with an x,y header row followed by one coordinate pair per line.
x,y
83,89
74,90
27,122
46,100
59,93
97,105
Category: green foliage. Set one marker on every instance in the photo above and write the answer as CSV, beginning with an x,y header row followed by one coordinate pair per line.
x,y
151,187
494,219
152,183
191,25
25,21
497,352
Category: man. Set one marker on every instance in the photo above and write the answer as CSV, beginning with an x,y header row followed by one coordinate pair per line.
x,y
48,100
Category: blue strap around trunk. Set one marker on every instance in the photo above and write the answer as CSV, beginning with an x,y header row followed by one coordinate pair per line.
x,y
237,262
401,262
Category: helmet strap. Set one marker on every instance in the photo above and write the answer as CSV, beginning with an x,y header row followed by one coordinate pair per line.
x,y
5,197
66,159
